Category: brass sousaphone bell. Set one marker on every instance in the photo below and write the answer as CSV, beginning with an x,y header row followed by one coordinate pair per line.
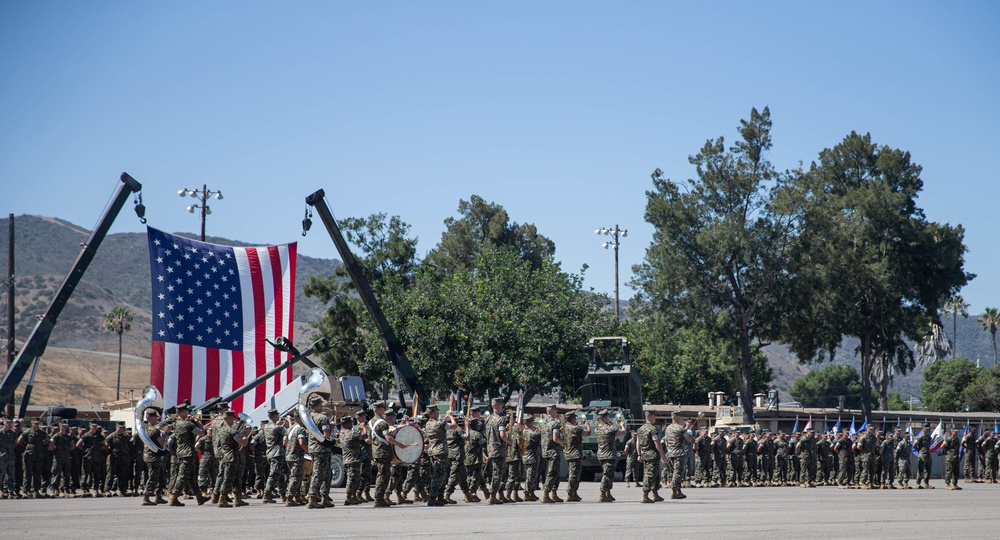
x,y
317,380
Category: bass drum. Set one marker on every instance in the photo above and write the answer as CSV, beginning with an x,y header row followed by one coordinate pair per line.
x,y
413,438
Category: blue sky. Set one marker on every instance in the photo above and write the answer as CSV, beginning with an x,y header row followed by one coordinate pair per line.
x,y
559,111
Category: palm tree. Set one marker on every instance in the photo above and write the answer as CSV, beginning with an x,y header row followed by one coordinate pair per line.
x,y
990,319
119,321
956,306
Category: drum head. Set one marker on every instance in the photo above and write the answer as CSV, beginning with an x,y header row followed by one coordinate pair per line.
x,y
413,438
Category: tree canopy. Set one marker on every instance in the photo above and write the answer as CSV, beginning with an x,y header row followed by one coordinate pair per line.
x,y
822,388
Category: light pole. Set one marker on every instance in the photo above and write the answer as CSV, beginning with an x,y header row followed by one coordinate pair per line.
x,y
613,243
202,197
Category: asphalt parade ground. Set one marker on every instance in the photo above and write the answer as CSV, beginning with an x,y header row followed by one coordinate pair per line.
x,y
822,512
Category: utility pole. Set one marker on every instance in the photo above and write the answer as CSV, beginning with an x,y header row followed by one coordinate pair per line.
x,y
613,243
203,195
10,305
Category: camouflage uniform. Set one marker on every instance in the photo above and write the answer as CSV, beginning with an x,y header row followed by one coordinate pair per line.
x,y
8,443
319,482
969,443
474,459
886,449
823,465
703,446
495,450
781,457
648,436
274,439
674,437
951,473
34,441
806,448
208,465
574,456
531,458
514,463
350,444
553,454
381,456
719,445
750,446
607,454
923,446
633,472
295,459
735,450
437,452
119,449
865,445
903,451
61,462
185,432
842,446
227,439
457,473
152,458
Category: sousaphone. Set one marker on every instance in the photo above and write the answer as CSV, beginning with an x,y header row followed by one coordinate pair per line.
x,y
150,398
315,383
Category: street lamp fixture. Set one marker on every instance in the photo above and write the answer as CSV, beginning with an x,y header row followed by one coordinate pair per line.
x,y
615,234
202,196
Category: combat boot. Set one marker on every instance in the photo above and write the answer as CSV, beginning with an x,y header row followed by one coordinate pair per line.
x,y
215,498
327,502
517,497
603,497
380,503
86,495
574,497
503,497
495,500
447,498
224,501
891,486
291,502
656,496
676,494
174,501
465,494
529,496
645,497
555,497
368,495
238,500
159,499
268,499
545,497
628,484
314,503
948,487
146,501
927,484
486,494
388,500
401,499
956,487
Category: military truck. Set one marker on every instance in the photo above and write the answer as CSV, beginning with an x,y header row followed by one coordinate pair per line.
x,y
612,383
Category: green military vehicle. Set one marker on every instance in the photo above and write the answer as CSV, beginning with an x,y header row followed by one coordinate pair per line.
x,y
612,383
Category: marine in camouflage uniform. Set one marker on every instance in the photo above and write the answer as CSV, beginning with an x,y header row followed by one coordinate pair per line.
x,y
951,459
229,442
61,464
806,449
514,464
793,458
703,449
531,457
886,450
34,442
496,450
633,467
750,446
365,476
674,437
607,453
651,452
8,443
351,440
902,452
987,449
152,457
437,451
864,445
719,445
574,455
781,458
823,460
969,444
552,445
92,445
208,465
186,431
457,473
734,448
119,447
475,446
923,446
381,453
842,447
321,453
766,450
274,451
295,450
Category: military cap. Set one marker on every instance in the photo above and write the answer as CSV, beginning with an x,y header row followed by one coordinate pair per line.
x,y
34,421
781,432
222,406
810,430
315,399
228,413
552,408
496,401
347,419
151,411
262,422
926,425
528,419
603,412
64,422
359,414
390,412
379,405
272,411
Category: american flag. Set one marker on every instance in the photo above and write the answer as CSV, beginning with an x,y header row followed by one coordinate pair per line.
x,y
213,306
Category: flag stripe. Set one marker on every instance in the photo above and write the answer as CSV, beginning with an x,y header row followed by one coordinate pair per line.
x,y
278,307
258,363
184,366
156,365
198,374
288,278
212,385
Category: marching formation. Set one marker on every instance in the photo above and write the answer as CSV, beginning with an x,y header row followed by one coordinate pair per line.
x,y
505,459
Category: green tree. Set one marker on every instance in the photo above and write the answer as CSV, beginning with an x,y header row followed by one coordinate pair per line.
x,y
118,320
821,388
484,225
990,319
866,262
983,394
944,383
896,403
718,250
956,306
680,364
